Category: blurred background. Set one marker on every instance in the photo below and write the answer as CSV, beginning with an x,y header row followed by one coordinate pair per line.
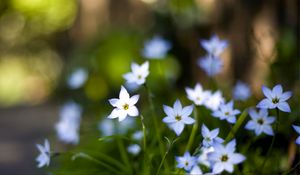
x,y
42,42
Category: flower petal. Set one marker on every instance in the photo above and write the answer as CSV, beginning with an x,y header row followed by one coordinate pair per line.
x,y
188,120
265,103
296,128
186,111
133,100
250,125
277,90
237,158
284,106
133,111
267,92
178,127
123,94
268,130
285,96
114,102
218,168
168,110
169,119
177,107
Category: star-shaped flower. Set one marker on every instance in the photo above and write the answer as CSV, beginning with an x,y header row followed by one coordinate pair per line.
x,y
214,100
226,112
156,48
197,95
186,161
138,75
44,157
214,46
177,116
224,157
297,129
211,65
260,122
124,106
241,91
210,137
276,98
203,157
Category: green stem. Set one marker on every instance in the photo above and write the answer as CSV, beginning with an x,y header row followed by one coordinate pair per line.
x,y
236,127
123,153
292,169
155,122
144,133
194,131
272,143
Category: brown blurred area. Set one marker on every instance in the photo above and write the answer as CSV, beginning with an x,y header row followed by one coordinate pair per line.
x,y
33,61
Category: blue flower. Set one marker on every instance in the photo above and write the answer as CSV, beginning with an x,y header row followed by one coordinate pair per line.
x,y
214,100
226,112
297,129
210,137
186,162
77,78
241,91
224,157
210,65
260,122
275,99
156,48
44,157
197,95
214,46
177,116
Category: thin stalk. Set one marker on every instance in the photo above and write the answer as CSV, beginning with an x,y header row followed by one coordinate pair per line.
x,y
236,127
144,134
292,169
123,153
272,143
194,131
155,122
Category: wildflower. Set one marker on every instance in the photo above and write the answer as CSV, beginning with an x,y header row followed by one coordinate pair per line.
x,y
214,46
124,106
203,157
241,91
134,149
77,78
186,162
275,99
138,75
106,127
214,100
224,157
138,135
197,95
44,157
156,48
195,171
210,137
260,122
297,129
67,128
226,112
177,116
210,65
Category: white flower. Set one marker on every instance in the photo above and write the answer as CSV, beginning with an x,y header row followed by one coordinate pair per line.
x,y
124,106
210,65
297,129
44,157
226,112
156,48
203,157
197,95
195,171
241,91
260,122
214,46
77,78
210,137
138,74
224,157
186,162
67,128
134,149
177,116
214,101
275,99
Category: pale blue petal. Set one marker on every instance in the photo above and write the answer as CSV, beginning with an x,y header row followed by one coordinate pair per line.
x,y
218,168
231,119
253,114
268,130
284,106
265,103
230,147
277,90
188,120
168,110
177,107
237,158
285,96
251,125
178,128
296,128
169,119
267,92
186,111
205,131
298,141
214,133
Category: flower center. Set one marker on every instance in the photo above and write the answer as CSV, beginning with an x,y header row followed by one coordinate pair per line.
x,y
275,100
198,98
177,117
224,158
207,139
186,163
139,77
260,121
226,113
126,106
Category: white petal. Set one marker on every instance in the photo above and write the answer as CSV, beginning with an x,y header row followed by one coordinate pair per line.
x,y
133,100
231,119
129,77
47,145
169,119
186,111
123,94
115,113
285,96
230,147
114,102
178,127
228,167
133,111
267,92
169,111
237,158
218,168
284,106
177,107
122,115
188,120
